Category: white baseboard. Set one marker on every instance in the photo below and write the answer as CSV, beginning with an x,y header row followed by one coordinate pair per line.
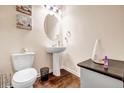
x,y
71,71
38,75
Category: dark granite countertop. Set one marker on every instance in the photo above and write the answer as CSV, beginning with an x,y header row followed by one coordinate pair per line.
x,y
115,69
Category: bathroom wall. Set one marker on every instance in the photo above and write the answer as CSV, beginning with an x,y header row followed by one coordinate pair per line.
x,y
86,24
13,39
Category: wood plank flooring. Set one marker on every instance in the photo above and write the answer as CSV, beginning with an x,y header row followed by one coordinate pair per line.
x,y
66,80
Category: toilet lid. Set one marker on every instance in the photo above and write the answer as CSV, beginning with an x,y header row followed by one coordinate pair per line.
x,y
25,75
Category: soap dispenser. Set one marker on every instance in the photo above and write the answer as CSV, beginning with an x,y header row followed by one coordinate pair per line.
x,y
106,62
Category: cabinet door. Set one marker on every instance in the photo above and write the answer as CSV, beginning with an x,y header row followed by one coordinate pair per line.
x,y
91,79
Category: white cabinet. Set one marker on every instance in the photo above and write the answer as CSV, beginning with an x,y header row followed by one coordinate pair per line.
x,y
92,79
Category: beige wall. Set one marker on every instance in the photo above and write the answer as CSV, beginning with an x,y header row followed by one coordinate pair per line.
x,y
86,24
13,39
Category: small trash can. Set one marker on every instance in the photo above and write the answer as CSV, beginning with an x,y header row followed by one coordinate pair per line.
x,y
44,73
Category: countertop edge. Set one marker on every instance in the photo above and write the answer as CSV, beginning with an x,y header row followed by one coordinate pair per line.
x,y
108,74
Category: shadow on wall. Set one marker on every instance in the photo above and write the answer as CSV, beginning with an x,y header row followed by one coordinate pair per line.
x,y
69,64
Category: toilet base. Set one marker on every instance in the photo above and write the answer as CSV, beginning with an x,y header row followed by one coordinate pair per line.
x,y
31,87
26,87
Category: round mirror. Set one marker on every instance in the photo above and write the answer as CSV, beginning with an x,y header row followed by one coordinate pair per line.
x,y
52,26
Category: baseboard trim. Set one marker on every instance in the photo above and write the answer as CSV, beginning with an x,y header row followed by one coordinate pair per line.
x,y
71,71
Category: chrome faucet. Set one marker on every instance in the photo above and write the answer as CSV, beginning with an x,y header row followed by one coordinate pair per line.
x,y
59,42
53,45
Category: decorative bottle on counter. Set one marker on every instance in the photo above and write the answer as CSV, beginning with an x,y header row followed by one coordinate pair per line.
x,y
106,62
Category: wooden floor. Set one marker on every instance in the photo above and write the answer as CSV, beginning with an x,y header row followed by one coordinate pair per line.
x,y
66,80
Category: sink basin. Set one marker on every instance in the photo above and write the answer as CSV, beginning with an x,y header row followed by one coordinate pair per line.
x,y
55,49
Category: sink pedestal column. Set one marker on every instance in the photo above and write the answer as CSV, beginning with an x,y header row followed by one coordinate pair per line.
x,y
56,52
56,64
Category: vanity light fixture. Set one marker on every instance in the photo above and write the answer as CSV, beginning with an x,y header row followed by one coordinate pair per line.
x,y
53,9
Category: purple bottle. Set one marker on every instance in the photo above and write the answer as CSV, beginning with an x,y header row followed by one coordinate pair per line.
x,y
106,63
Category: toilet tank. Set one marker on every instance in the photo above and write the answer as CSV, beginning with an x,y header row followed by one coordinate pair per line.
x,y
22,60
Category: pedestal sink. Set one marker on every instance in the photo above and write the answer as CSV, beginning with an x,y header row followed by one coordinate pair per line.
x,y
56,58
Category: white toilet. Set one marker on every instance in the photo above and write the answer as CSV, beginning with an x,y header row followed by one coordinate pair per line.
x,y
25,75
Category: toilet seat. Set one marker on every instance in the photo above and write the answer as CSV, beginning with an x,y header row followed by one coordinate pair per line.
x,y
24,77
